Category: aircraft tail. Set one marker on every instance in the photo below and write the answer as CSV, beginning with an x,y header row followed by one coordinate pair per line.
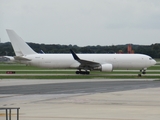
x,y
20,47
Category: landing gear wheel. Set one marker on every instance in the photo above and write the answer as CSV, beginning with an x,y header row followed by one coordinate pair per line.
x,y
78,72
83,72
139,75
144,72
87,72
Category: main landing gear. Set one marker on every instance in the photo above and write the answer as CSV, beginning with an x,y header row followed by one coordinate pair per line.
x,y
83,72
142,72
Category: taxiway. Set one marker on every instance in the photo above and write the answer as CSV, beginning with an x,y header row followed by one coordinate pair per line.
x,y
104,99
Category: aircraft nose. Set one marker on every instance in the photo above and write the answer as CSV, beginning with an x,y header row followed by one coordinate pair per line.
x,y
154,62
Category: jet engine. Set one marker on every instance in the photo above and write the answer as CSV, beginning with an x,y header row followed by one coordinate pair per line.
x,y
106,68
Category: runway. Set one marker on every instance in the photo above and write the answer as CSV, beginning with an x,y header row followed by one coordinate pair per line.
x,y
105,99
79,87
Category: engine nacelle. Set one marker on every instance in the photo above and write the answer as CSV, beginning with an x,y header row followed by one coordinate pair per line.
x,y
106,68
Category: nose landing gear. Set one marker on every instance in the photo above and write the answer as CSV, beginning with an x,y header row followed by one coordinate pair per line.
x,y
142,72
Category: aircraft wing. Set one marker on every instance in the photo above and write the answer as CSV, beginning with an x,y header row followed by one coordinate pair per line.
x,y
85,64
21,58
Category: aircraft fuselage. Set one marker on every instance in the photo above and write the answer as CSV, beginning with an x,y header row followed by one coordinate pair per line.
x,y
122,61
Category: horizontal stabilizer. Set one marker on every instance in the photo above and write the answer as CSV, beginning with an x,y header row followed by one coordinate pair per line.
x,y
21,58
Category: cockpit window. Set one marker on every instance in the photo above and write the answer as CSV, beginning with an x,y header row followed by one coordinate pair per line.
x,y
150,58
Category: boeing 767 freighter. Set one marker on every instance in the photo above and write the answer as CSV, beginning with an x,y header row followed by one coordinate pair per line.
x,y
84,63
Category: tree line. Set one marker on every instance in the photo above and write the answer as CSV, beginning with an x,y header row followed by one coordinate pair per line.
x,y
151,50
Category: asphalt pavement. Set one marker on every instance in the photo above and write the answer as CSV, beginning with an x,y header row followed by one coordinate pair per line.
x,y
96,99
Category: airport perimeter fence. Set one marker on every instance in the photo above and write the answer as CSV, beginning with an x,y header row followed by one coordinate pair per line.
x,y
8,116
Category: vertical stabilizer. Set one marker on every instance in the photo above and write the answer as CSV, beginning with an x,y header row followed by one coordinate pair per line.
x,y
20,47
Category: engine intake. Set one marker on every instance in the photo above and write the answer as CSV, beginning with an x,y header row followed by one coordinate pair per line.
x,y
106,68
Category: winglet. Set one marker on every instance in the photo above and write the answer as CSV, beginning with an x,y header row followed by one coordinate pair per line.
x,y
74,55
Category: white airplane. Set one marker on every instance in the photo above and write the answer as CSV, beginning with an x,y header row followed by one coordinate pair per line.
x,y
83,62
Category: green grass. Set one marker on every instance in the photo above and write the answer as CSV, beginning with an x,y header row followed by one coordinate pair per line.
x,y
73,72
27,72
18,67
79,77
155,67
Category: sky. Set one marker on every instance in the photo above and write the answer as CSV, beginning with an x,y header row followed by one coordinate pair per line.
x,y
82,22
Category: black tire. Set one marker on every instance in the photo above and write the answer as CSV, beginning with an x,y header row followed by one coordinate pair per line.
x,y
144,72
77,72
